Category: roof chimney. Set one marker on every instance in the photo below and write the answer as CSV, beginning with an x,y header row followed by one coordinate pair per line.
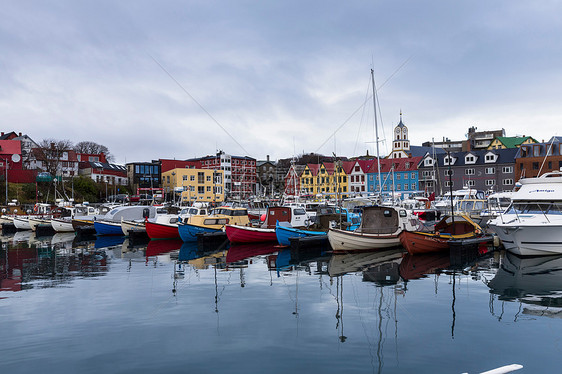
x,y
267,158
19,134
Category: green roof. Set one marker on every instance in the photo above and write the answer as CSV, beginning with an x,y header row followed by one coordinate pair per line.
x,y
513,141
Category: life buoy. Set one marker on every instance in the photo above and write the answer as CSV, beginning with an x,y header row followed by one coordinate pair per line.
x,y
35,208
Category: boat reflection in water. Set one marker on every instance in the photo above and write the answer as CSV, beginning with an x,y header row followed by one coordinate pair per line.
x,y
162,246
104,241
245,252
46,267
341,264
533,281
421,265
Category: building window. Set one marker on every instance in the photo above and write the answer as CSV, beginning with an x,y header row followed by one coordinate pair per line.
x,y
208,188
449,172
508,182
490,170
490,158
201,190
469,172
209,178
413,187
536,150
200,177
507,169
428,184
413,175
184,177
449,183
490,182
535,166
397,177
470,159
470,183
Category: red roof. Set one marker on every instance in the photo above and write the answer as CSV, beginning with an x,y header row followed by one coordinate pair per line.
x,y
329,166
366,164
399,164
348,166
10,147
314,168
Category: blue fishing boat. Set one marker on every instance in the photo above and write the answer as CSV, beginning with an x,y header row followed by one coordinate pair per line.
x,y
283,234
200,224
108,228
188,232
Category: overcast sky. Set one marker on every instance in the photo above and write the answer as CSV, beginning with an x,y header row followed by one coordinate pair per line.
x,y
181,79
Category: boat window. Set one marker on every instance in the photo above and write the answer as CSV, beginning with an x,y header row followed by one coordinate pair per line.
x,y
299,212
387,213
174,220
402,213
478,205
240,212
202,212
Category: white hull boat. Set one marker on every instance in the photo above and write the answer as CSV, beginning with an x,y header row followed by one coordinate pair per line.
x,y
62,225
126,226
22,223
380,228
532,225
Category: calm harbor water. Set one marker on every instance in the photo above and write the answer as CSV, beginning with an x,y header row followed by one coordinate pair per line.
x,y
106,305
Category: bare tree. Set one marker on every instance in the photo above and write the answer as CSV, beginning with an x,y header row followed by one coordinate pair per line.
x,y
50,154
93,148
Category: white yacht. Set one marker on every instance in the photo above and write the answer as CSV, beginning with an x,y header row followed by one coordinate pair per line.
x,y
532,225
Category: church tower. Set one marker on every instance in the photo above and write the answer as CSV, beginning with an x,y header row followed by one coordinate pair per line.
x,y
401,144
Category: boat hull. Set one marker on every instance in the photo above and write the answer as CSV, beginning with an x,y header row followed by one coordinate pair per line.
x,y
350,241
419,242
21,223
62,225
127,226
188,232
108,228
76,223
283,234
156,230
530,240
243,234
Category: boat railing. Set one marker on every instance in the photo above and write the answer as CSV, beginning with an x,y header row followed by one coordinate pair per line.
x,y
381,230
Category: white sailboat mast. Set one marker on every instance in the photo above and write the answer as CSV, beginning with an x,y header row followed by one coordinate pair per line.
x,y
376,132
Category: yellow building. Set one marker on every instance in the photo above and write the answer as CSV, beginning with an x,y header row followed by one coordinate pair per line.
x,y
503,142
323,179
192,185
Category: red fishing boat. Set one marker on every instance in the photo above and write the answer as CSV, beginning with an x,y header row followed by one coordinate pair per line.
x,y
458,227
247,234
266,233
164,227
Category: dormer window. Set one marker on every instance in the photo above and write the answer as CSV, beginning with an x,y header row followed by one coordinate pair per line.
x,y
470,159
448,160
490,157
428,162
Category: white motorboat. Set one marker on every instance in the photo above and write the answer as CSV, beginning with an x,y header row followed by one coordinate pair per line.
x,y
532,225
380,228
128,225
21,223
62,224
443,203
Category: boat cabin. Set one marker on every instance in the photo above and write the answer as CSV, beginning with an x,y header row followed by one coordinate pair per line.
x,y
296,216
